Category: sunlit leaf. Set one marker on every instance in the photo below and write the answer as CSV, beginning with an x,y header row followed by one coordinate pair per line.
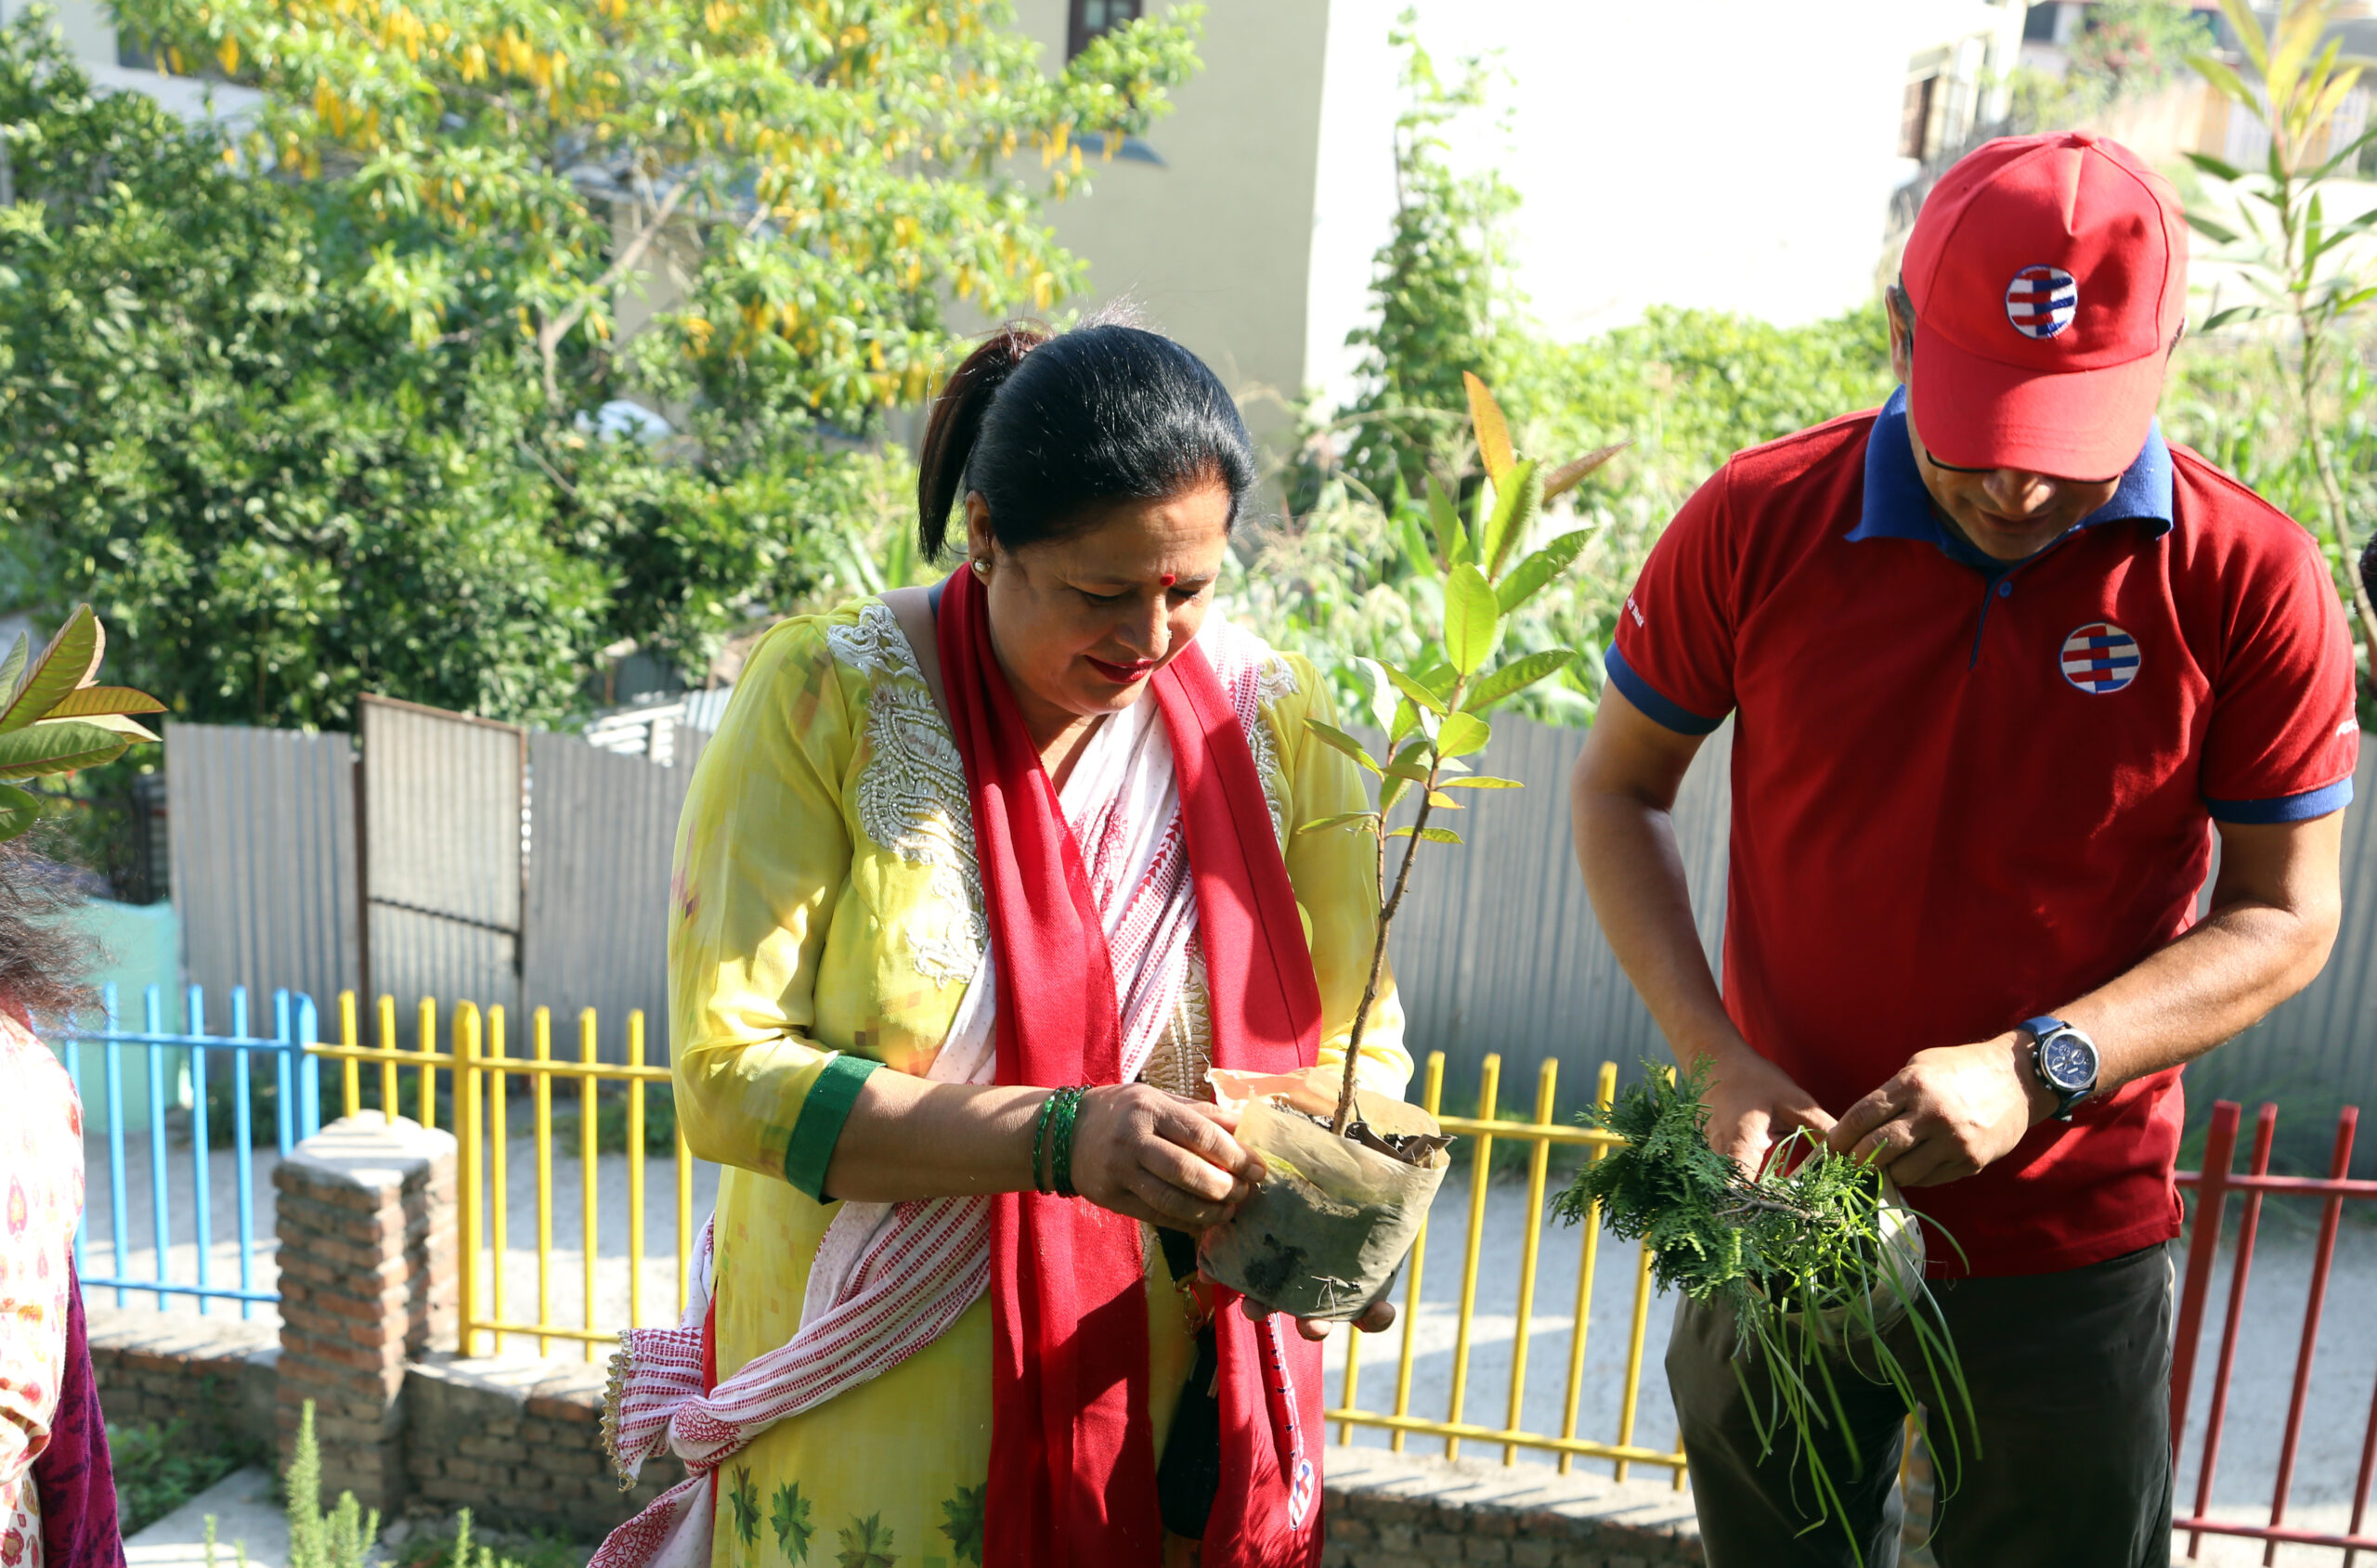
x,y
1517,676
1433,834
1480,780
1452,539
1507,524
69,661
1415,689
1472,618
1338,738
86,700
1568,475
13,668
18,811
1343,819
1493,434
1536,573
1444,802
1462,734
58,746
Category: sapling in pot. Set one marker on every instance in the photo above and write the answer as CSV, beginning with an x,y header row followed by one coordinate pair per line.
x,y
1819,1264
1350,1172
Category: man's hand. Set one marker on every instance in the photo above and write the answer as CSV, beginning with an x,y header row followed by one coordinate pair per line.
x,y
1948,1113
1753,1105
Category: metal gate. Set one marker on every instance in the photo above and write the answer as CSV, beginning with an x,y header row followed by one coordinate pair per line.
x,y
441,814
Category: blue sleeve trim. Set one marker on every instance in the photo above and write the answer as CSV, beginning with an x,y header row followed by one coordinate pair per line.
x,y
1655,705
819,1126
2285,808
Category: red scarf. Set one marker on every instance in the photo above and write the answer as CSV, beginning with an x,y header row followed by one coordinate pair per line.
x,y
1072,1454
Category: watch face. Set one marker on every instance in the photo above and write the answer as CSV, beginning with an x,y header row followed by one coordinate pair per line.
x,y
2068,1063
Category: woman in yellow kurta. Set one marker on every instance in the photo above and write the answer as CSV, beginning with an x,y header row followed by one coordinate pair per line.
x,y
828,916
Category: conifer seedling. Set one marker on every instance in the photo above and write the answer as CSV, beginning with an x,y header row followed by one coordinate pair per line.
x,y
1812,1256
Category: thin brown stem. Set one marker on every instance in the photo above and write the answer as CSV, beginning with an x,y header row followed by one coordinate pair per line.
x,y
1387,906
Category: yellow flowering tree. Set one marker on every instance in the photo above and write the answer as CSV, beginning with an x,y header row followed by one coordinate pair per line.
x,y
821,177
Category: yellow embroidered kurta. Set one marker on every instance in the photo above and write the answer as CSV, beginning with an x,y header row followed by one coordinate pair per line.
x,y
826,917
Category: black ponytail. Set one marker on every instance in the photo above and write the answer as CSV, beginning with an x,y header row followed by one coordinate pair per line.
x,y
1046,428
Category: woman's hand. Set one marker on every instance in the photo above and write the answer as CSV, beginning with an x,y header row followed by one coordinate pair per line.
x,y
1158,1158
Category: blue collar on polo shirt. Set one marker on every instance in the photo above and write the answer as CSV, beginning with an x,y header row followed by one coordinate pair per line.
x,y
1898,507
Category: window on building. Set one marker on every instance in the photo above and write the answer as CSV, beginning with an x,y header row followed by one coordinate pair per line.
x,y
2038,25
1915,119
1091,18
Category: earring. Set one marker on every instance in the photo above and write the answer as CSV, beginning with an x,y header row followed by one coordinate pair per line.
x,y
983,569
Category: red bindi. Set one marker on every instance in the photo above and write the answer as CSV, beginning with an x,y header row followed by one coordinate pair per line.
x,y
1171,577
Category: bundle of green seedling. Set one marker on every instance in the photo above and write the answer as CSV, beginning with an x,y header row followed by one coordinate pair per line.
x,y
1819,1265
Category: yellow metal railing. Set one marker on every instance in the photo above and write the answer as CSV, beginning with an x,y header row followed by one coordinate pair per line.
x,y
479,1070
1482,1131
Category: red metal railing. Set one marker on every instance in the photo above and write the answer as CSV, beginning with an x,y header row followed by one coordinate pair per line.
x,y
2212,1185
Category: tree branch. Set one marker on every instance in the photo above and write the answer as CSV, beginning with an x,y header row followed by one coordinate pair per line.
x,y
549,336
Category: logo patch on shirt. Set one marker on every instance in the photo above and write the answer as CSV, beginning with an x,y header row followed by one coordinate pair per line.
x,y
2100,657
2041,301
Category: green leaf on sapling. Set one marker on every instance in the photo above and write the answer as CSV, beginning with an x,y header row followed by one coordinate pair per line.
x,y
18,811
69,660
13,671
1514,496
1462,734
1343,819
1444,802
1473,619
1533,575
1517,676
1412,688
1452,539
1433,834
1380,689
1343,742
59,746
1480,780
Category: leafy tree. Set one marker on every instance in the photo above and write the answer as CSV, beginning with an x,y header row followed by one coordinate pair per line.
x,y
276,500
2301,265
1439,282
317,411
831,173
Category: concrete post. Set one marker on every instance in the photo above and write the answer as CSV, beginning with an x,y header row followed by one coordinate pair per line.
x,y
366,1212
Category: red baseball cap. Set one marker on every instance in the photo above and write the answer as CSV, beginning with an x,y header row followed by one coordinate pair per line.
x,y
2048,276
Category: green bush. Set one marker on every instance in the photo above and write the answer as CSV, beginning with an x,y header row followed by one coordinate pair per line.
x,y
160,1467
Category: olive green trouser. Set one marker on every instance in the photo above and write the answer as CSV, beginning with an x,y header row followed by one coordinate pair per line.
x,y
2070,1375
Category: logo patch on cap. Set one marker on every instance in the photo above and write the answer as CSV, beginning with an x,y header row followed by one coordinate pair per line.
x,y
2100,657
2041,301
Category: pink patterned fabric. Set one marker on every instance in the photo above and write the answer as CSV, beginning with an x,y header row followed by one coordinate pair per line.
x,y
41,1198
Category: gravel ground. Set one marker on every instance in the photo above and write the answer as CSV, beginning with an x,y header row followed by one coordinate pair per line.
x,y
2335,1415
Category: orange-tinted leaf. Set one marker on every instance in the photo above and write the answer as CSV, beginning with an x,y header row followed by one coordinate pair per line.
x,y
1493,431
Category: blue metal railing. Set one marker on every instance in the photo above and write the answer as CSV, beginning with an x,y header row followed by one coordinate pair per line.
x,y
297,1114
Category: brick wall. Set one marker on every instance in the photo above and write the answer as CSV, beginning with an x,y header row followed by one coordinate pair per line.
x,y
520,1444
1400,1511
217,1375
367,1214
367,1219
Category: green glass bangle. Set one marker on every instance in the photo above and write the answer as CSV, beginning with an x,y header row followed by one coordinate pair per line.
x,y
1062,1174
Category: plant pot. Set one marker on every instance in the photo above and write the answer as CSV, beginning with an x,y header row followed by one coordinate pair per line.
x,y
1333,1219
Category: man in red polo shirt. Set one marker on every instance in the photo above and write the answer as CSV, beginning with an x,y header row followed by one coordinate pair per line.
x,y
2001,662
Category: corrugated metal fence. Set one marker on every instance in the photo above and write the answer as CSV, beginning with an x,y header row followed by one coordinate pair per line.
x,y
261,824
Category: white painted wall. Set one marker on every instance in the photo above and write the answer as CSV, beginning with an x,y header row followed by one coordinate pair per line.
x,y
1731,154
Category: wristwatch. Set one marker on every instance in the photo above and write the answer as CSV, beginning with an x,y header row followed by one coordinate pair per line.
x,y
2065,1060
